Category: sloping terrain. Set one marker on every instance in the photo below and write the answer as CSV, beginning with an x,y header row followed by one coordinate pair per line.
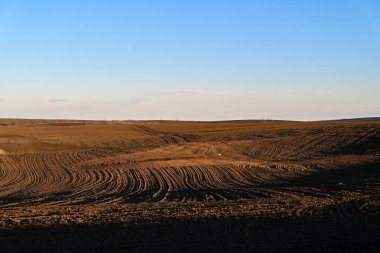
x,y
88,172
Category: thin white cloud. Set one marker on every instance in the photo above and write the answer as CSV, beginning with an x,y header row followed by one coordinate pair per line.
x,y
200,104
57,100
303,92
133,101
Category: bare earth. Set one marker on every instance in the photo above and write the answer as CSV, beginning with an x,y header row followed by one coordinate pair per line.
x,y
261,186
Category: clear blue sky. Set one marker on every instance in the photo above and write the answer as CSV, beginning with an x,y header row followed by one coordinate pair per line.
x,y
198,59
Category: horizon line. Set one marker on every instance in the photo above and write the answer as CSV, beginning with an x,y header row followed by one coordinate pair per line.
x,y
373,118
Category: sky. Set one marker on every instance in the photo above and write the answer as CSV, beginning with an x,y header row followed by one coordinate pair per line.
x,y
190,60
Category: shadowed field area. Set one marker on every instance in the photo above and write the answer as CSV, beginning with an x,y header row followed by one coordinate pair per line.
x,y
246,185
357,234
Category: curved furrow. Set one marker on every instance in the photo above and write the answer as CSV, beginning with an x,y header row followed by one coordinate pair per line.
x,y
159,185
169,175
189,186
31,177
231,185
12,176
90,184
138,190
47,174
204,183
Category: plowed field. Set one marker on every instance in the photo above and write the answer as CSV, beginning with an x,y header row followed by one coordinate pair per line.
x,y
244,180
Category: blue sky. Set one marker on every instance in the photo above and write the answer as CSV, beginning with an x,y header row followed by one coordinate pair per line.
x,y
201,60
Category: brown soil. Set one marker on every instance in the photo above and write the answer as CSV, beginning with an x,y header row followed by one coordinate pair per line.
x,y
189,186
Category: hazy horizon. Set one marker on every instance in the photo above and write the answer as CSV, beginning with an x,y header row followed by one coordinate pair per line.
x,y
189,60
